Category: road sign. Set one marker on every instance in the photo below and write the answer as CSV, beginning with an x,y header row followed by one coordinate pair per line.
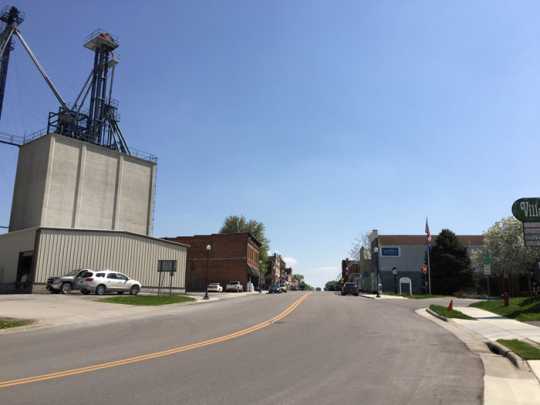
x,y
531,233
487,259
527,209
487,269
166,266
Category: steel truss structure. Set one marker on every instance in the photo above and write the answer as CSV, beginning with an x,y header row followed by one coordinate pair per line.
x,y
97,124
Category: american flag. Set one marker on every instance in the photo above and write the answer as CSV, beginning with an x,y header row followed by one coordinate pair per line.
x,y
428,232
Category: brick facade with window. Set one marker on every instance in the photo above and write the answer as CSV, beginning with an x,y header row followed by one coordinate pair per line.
x,y
233,257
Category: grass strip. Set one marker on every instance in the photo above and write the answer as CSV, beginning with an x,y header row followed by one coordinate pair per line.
x,y
151,300
522,349
520,308
443,311
13,322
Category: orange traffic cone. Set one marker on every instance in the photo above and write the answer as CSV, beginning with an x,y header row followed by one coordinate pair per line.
x,y
451,305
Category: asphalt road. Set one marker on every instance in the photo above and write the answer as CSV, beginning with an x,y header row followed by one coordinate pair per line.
x,y
329,350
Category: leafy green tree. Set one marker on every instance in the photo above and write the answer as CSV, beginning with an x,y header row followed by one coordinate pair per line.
x,y
298,277
450,264
332,286
304,286
239,223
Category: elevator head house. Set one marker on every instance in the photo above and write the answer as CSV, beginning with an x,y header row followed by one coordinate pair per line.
x,y
82,198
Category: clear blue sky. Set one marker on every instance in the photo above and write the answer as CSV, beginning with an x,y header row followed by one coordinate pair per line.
x,y
321,119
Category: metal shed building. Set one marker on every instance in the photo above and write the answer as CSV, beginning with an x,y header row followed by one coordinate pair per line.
x,y
28,257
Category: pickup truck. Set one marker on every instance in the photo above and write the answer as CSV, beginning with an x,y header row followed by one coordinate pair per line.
x,y
234,286
67,282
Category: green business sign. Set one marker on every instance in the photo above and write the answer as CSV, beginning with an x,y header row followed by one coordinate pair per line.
x,y
527,209
487,259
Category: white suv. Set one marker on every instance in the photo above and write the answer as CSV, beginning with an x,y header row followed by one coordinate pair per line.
x,y
103,281
215,287
234,286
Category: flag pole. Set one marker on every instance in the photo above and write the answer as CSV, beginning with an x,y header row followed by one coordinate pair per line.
x,y
428,246
429,267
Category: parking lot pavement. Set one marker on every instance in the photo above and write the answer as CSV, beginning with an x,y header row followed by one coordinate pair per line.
x,y
54,310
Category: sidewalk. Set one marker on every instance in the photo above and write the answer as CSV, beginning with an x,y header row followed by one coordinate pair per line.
x,y
383,296
221,296
492,327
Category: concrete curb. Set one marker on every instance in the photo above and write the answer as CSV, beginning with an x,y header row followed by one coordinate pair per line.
x,y
517,361
504,383
498,349
436,315
533,371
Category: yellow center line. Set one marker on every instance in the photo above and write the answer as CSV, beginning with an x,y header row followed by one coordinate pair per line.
x,y
154,355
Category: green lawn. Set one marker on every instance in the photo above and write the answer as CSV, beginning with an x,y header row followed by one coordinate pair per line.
x,y
449,314
520,308
13,323
522,349
149,299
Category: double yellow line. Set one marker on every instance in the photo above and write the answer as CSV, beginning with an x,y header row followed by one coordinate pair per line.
x,y
154,355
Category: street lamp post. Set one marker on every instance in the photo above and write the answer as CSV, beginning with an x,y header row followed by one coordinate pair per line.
x,y
394,273
376,251
260,275
208,249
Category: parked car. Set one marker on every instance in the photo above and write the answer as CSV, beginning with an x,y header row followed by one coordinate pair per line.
x,y
349,288
104,281
68,282
283,288
215,287
274,289
234,286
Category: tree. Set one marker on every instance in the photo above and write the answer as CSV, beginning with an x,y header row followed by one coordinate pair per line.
x,y
450,264
332,286
304,286
238,223
503,243
358,244
298,277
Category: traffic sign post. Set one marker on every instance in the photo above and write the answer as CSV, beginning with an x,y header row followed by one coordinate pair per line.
x,y
487,273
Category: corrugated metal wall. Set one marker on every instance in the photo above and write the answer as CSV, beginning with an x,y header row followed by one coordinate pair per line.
x,y
63,250
11,245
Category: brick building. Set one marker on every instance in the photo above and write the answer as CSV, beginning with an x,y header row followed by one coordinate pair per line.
x,y
276,270
232,257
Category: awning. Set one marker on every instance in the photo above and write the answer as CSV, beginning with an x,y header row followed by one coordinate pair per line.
x,y
252,271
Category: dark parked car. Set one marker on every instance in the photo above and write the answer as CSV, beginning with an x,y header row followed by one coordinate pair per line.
x,y
274,289
349,288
